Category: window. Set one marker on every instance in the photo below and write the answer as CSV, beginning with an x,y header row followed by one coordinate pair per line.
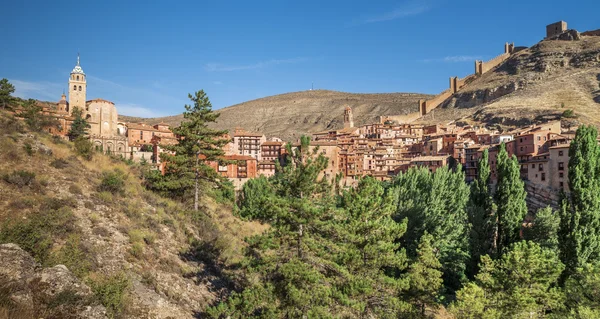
x,y
539,138
521,148
141,135
562,184
541,166
74,87
80,88
521,140
561,166
532,165
78,78
560,153
222,168
543,176
561,175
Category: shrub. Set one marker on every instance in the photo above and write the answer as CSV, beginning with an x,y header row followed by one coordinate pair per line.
x,y
113,182
23,203
89,205
53,203
569,114
73,255
104,197
84,148
59,163
20,178
28,149
111,291
37,233
136,250
75,189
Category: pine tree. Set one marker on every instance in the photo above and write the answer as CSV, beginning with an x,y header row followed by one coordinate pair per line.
x,y
544,230
79,126
579,232
582,291
510,200
425,276
472,303
6,89
196,144
371,251
522,283
480,211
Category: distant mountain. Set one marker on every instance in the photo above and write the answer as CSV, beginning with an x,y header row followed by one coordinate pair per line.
x,y
290,115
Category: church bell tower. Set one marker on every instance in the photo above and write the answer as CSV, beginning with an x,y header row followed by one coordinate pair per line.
x,y
77,88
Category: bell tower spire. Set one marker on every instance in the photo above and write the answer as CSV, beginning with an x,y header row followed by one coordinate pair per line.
x,y
77,87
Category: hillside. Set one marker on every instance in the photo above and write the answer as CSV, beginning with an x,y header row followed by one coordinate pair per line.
x,y
535,84
289,115
85,239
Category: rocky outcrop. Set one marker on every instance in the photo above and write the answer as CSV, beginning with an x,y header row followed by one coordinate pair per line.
x,y
30,291
540,197
478,97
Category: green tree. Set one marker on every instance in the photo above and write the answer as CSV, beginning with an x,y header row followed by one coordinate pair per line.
x,y
197,144
79,126
472,303
436,203
523,282
35,118
579,233
510,200
582,290
6,89
544,229
425,276
371,251
293,260
480,212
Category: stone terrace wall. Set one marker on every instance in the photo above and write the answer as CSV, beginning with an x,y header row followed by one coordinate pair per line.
x,y
540,197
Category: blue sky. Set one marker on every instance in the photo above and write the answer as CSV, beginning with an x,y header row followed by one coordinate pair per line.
x,y
146,56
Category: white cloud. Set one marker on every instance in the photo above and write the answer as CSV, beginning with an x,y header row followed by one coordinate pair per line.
x,y
218,67
406,10
42,90
217,82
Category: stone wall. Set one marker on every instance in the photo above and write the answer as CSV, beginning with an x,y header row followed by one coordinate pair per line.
x,y
541,197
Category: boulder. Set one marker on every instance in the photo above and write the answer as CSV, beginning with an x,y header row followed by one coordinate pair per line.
x,y
30,290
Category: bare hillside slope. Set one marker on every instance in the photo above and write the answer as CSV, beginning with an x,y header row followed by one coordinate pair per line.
x,y
535,84
289,115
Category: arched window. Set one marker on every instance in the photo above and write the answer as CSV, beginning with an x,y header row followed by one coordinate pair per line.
x,y
74,87
80,88
78,78
87,117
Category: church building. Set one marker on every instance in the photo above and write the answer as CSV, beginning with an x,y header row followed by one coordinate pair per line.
x,y
101,115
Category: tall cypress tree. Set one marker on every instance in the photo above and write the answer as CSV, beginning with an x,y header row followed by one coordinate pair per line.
x,y
579,233
196,144
480,211
510,200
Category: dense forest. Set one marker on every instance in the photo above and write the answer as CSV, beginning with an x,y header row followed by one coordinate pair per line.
x,y
425,240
